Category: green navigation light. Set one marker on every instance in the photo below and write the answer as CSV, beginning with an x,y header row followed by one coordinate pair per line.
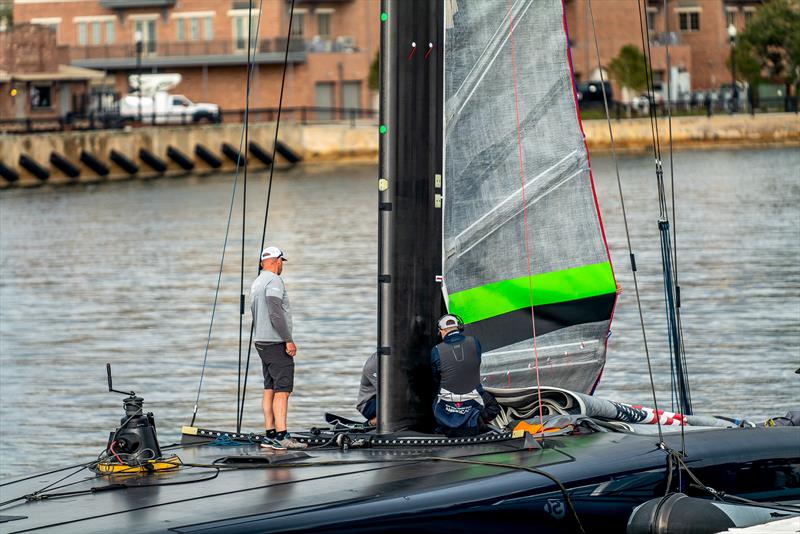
x,y
382,129
384,16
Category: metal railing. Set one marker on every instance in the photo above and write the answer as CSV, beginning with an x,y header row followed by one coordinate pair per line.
x,y
113,120
228,47
689,106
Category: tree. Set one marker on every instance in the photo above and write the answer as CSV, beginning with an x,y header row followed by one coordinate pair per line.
x,y
629,68
374,79
772,38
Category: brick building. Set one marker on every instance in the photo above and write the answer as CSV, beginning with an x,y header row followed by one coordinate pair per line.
x,y
695,30
36,80
332,46
335,41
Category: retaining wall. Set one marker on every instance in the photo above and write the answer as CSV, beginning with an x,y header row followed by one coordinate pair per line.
x,y
325,142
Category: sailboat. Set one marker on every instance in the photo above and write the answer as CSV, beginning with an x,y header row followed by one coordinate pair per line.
x,y
487,209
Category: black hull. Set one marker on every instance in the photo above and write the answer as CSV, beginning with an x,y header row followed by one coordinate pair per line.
x,y
400,488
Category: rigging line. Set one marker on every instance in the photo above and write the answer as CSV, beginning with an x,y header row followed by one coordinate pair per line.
x,y
224,246
625,219
672,317
676,286
650,95
219,282
269,194
250,65
524,206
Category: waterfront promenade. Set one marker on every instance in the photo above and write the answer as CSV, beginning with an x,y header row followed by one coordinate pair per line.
x,y
174,150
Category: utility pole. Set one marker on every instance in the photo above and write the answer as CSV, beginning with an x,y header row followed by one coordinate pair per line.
x,y
137,37
734,92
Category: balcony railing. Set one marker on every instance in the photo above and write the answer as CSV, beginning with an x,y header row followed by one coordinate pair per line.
x,y
185,49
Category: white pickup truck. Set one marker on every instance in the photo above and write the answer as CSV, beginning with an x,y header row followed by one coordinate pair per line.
x,y
153,104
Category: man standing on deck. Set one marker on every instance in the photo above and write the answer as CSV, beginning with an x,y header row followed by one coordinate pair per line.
x,y
272,334
462,407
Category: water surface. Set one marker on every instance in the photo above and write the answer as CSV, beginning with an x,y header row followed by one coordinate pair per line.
x,y
125,273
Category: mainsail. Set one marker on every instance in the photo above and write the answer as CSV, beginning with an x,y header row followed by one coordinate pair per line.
x,y
512,131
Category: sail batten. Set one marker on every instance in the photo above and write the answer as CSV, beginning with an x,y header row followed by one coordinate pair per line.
x,y
501,117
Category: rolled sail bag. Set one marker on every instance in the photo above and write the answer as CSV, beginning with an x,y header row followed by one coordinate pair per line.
x,y
524,403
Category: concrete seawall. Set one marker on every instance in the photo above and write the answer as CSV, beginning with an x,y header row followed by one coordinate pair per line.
x,y
88,154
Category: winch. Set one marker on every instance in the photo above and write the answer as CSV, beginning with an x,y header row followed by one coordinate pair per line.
x,y
135,442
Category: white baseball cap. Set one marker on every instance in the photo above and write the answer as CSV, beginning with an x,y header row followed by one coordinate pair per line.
x,y
272,252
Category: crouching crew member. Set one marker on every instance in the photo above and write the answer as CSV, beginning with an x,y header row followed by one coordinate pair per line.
x,y
367,402
462,407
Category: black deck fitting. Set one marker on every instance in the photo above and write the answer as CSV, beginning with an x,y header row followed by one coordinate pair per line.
x,y
30,165
123,162
205,154
260,153
64,165
8,173
95,164
288,154
152,160
232,154
180,158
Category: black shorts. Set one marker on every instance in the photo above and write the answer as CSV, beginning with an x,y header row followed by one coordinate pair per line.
x,y
277,366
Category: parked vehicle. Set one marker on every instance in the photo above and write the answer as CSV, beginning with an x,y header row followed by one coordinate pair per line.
x,y
591,93
151,102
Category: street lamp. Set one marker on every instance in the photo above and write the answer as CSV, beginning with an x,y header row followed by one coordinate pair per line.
x,y
734,95
137,38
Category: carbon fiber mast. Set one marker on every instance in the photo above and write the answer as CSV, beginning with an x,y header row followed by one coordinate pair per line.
x,y
410,216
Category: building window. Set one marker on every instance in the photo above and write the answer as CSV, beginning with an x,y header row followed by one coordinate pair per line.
x,y
651,19
208,29
95,33
194,29
109,32
748,16
82,33
41,97
689,21
180,29
298,24
148,29
240,31
324,25
730,17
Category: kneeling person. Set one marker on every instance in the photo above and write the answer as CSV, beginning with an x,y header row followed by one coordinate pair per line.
x,y
462,407
367,402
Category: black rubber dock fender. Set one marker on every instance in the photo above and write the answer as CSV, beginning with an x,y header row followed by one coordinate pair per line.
x,y
95,164
205,154
180,158
152,160
8,173
64,165
232,154
260,153
123,162
30,165
288,154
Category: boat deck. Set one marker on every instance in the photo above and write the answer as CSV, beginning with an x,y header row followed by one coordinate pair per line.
x,y
389,489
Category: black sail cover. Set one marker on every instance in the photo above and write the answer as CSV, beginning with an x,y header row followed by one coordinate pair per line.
x,y
522,238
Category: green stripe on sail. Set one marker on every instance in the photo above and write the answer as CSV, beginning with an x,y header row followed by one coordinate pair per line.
x,y
506,296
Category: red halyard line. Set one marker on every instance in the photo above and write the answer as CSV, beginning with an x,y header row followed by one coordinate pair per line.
x,y
524,208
